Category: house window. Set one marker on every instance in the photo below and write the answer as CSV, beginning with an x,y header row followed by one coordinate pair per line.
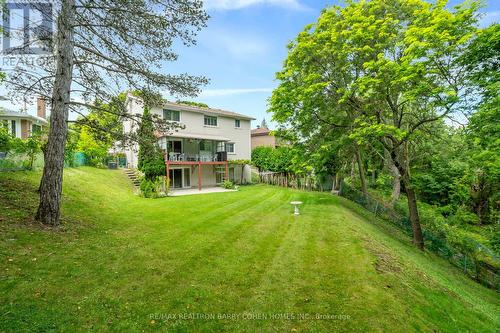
x,y
210,121
237,123
174,146
230,147
221,146
172,115
13,128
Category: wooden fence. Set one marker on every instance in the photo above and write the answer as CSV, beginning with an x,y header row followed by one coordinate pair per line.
x,y
291,180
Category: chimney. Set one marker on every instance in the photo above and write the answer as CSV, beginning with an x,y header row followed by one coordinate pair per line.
x,y
41,108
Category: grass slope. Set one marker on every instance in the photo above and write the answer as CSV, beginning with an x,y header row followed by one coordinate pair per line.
x,y
121,259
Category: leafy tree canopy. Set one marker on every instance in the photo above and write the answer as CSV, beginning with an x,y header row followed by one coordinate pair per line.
x,y
198,104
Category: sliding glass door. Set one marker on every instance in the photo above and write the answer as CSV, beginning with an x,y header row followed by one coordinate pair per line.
x,y
187,177
175,176
180,178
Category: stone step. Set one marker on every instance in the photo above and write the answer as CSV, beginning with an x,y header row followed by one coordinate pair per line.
x,y
133,177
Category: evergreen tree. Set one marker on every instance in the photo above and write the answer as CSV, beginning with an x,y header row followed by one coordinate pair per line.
x,y
151,161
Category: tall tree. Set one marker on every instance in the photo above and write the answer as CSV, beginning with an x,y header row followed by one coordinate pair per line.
x,y
101,48
483,131
151,161
378,71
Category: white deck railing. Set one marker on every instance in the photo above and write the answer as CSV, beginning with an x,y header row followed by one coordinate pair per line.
x,y
183,157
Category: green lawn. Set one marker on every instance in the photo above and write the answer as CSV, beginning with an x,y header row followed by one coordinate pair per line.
x,y
121,259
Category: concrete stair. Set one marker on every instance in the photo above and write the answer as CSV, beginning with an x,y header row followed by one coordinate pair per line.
x,y
133,177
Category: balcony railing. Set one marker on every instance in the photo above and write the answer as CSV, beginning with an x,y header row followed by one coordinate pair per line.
x,y
202,157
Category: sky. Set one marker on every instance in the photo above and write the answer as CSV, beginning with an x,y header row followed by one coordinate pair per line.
x,y
242,48
244,45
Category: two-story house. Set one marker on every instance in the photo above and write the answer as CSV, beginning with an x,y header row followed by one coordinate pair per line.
x,y
199,154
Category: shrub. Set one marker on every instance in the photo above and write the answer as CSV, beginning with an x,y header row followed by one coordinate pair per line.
x,y
5,140
228,185
464,217
8,164
153,168
154,189
147,188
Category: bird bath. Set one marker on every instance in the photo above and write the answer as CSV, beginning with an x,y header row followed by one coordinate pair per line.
x,y
296,204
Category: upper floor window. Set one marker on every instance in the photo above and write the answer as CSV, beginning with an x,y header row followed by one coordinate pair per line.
x,y
237,123
171,115
210,121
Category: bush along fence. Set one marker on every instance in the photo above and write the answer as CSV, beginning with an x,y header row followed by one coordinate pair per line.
x,y
23,162
477,261
20,161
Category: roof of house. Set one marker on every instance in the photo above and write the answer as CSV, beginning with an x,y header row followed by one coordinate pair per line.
x,y
17,114
260,131
181,107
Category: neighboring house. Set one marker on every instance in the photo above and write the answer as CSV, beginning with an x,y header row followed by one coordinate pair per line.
x,y
200,154
21,124
262,137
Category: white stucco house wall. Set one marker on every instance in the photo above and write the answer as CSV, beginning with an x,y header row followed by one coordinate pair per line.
x,y
22,124
199,154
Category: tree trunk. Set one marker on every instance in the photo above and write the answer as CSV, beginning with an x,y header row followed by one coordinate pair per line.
x,y
336,182
362,176
418,238
403,167
32,160
396,182
353,167
242,171
51,183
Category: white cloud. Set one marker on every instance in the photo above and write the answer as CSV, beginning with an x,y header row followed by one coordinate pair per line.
x,y
238,4
228,92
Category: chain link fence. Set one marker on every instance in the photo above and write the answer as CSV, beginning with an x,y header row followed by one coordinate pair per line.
x,y
13,161
475,259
